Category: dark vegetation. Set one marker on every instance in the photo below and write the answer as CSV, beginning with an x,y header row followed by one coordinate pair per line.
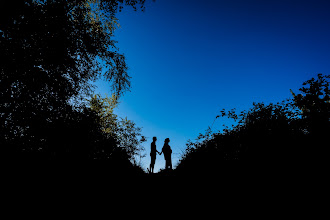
x,y
287,137
51,51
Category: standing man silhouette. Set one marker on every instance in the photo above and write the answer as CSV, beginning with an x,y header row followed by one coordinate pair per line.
x,y
167,154
153,152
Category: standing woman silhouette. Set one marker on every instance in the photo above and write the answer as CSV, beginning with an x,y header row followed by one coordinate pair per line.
x,y
167,154
153,152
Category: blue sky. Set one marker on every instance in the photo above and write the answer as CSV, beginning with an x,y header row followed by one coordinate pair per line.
x,y
189,59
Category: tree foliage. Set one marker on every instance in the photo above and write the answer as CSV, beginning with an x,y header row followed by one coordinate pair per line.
x,y
314,103
282,135
51,51
124,131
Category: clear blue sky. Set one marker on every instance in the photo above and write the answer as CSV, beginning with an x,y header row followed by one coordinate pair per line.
x,y
191,58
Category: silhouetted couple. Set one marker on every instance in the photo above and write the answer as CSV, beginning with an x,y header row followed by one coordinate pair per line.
x,y
166,150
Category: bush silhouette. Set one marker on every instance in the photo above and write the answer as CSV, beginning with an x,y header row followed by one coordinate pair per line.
x,y
275,136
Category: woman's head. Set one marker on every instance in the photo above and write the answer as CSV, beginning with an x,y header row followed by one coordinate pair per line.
x,y
167,140
154,138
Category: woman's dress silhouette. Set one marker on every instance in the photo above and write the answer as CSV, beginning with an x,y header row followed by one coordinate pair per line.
x,y
167,154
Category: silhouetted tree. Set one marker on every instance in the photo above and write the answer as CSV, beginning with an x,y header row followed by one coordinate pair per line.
x,y
50,52
282,135
125,132
314,103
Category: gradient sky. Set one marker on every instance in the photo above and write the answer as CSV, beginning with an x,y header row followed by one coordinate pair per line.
x,y
191,58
